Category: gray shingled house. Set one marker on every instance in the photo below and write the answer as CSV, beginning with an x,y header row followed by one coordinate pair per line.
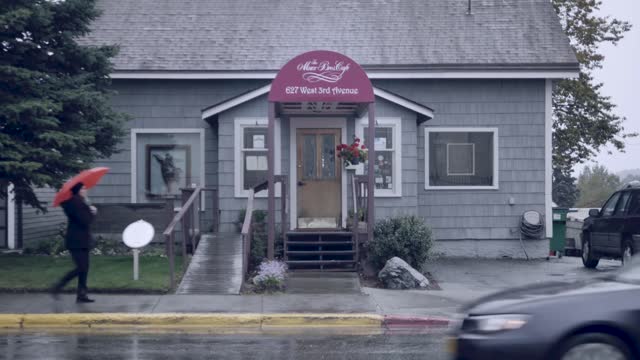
x,y
462,110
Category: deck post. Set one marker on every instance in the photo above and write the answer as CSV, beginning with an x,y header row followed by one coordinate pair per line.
x,y
371,184
271,214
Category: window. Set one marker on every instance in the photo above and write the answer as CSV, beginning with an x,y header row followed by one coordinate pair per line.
x,y
251,150
388,146
461,158
164,161
623,204
634,205
610,206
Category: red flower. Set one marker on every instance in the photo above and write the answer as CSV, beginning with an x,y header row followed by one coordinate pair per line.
x,y
363,147
357,140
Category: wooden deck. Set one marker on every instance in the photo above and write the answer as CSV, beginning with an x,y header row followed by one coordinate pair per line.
x,y
216,267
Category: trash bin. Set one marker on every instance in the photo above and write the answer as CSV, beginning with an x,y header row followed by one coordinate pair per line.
x,y
558,239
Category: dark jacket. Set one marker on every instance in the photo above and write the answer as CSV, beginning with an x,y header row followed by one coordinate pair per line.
x,y
78,226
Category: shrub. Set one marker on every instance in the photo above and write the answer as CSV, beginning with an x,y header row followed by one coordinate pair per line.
x,y
406,237
258,251
107,246
50,246
271,276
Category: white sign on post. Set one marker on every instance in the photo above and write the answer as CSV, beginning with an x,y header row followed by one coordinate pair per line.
x,y
137,235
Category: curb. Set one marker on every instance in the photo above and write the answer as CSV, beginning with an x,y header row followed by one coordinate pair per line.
x,y
420,322
187,321
235,322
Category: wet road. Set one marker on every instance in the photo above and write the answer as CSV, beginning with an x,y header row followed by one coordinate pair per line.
x,y
203,346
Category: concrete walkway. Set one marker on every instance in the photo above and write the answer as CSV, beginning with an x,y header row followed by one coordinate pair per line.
x,y
216,267
146,304
323,283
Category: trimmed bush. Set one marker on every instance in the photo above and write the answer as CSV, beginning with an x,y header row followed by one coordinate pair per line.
x,y
406,237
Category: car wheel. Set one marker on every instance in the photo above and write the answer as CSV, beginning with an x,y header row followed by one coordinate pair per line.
x,y
588,260
627,251
594,346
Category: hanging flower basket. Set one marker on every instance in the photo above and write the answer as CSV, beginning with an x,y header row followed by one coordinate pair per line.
x,y
352,154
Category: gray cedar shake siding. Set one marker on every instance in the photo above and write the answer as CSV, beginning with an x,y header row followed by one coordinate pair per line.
x,y
39,226
166,104
517,109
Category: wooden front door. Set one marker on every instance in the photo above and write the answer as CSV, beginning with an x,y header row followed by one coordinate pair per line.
x,y
319,179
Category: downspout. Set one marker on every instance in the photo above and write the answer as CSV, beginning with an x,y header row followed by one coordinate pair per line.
x,y
11,218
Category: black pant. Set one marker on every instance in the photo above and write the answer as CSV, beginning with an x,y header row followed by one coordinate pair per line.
x,y
81,259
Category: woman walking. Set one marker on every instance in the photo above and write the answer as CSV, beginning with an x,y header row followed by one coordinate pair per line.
x,y
78,240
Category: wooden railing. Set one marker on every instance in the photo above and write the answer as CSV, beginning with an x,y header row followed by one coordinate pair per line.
x,y
360,198
190,227
247,225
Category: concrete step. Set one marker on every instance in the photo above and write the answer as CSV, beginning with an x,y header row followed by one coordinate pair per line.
x,y
320,252
319,242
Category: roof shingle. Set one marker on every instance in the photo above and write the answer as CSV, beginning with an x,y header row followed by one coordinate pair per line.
x,y
246,35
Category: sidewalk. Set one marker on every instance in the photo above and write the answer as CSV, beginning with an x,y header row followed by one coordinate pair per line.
x,y
461,280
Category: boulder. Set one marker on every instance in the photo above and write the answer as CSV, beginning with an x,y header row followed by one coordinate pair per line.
x,y
397,274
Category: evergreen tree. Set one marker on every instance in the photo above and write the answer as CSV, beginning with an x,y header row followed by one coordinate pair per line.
x,y
565,191
55,116
584,119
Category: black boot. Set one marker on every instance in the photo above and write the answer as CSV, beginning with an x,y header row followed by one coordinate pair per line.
x,y
83,298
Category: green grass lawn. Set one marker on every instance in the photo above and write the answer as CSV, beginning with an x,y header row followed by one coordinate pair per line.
x,y
106,273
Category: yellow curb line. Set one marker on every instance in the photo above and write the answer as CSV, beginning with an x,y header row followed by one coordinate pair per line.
x,y
187,321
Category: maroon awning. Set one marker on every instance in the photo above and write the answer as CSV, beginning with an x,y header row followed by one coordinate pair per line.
x,y
321,76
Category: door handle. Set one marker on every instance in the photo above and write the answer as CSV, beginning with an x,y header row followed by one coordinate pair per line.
x,y
301,183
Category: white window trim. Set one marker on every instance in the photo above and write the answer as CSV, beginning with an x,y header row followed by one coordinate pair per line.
x,y
396,125
134,156
473,159
238,174
496,182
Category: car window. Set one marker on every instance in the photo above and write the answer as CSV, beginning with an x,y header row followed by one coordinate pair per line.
x,y
623,204
634,204
610,206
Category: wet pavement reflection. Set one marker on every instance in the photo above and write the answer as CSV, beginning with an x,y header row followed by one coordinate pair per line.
x,y
174,346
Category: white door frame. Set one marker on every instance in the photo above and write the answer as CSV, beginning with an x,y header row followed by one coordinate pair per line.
x,y
311,123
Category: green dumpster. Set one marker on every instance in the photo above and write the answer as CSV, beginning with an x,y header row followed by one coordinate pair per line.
x,y
559,230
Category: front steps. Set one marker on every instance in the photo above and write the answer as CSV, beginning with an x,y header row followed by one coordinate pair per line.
x,y
320,251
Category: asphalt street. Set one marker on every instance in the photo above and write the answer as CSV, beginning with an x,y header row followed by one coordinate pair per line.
x,y
176,346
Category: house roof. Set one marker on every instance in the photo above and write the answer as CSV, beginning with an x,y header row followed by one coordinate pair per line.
x,y
245,35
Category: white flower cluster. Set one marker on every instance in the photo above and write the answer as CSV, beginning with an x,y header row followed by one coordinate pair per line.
x,y
271,272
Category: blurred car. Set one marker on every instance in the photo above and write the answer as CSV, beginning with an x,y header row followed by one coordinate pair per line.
x,y
614,231
595,319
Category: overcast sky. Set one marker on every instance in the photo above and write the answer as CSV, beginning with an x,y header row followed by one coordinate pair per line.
x,y
621,78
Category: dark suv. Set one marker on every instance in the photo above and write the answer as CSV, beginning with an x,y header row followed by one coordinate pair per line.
x,y
614,231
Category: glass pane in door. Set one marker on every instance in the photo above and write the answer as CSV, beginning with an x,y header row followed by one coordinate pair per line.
x,y
309,157
328,156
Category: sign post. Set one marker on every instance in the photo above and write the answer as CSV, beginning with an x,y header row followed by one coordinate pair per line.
x,y
137,235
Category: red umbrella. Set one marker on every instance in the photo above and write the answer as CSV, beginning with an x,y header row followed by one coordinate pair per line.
x,y
89,178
